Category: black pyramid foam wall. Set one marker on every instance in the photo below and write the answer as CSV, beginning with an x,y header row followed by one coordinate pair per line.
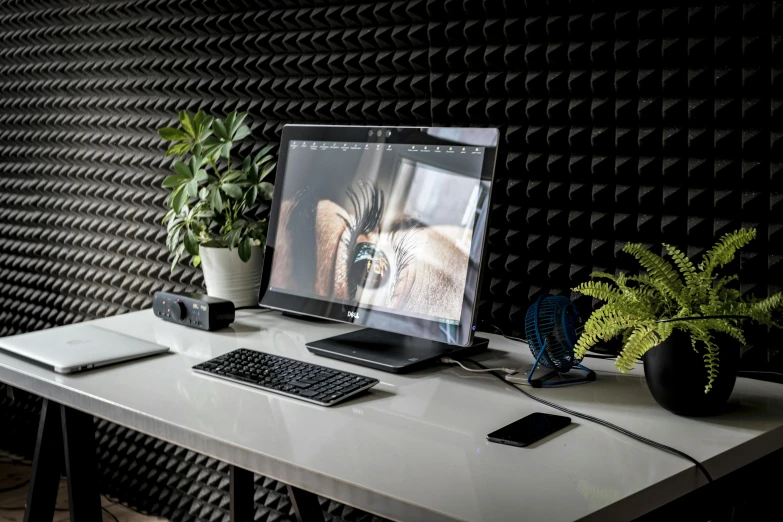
x,y
621,121
646,122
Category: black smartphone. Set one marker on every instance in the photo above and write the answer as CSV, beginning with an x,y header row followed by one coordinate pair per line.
x,y
528,430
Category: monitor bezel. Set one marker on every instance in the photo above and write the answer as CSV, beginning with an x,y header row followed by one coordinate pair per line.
x,y
462,334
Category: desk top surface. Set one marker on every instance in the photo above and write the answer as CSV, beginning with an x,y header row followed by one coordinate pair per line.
x,y
415,447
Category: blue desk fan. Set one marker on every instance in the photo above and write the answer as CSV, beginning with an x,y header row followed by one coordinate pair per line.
x,y
551,325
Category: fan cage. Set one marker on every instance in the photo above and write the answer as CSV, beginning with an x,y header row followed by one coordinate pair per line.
x,y
550,322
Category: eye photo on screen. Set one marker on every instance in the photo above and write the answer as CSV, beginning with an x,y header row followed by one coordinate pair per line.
x,y
383,226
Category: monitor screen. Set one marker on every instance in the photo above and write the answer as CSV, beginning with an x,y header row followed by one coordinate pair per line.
x,y
384,231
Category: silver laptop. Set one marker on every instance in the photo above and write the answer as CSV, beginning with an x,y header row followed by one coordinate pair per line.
x,y
78,347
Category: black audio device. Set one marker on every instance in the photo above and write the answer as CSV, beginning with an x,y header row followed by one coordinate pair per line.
x,y
194,310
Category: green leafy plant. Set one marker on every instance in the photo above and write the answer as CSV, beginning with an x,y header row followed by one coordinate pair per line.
x,y
212,201
645,309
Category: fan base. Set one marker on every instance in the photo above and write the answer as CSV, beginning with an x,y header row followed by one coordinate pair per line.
x,y
539,376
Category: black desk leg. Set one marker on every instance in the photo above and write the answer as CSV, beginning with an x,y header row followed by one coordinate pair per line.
x,y
81,465
241,491
306,506
65,432
47,462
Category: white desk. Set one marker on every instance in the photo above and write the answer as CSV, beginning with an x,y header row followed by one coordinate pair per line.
x,y
414,448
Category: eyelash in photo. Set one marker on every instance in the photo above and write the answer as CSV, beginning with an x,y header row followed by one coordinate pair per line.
x,y
368,206
404,245
303,210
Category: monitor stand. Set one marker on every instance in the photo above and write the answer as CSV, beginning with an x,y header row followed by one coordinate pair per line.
x,y
308,318
390,352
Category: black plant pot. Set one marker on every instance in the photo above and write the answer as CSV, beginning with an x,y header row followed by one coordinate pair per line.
x,y
676,375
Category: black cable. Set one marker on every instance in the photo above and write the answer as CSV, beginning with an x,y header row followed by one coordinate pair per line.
x,y
22,508
11,459
112,515
14,488
509,337
248,307
7,459
604,423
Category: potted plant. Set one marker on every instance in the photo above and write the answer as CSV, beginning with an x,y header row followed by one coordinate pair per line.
x,y
687,325
214,203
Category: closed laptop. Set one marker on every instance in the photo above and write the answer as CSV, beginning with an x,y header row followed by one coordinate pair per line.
x,y
78,347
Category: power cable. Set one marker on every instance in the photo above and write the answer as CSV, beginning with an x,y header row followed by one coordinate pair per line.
x,y
602,422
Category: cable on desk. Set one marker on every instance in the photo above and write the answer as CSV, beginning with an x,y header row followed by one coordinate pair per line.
x,y
449,360
604,423
509,337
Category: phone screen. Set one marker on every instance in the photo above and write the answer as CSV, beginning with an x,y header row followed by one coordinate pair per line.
x,y
529,429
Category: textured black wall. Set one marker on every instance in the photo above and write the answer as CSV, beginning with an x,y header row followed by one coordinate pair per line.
x,y
621,122
641,122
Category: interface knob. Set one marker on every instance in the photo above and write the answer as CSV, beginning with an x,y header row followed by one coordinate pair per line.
x,y
178,310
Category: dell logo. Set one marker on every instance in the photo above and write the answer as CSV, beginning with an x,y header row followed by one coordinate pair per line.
x,y
353,315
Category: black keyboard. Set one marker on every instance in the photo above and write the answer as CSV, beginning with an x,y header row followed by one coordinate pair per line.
x,y
297,379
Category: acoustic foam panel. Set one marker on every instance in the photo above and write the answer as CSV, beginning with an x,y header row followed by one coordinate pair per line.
x,y
636,121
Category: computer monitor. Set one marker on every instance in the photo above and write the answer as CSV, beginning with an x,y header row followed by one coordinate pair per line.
x,y
381,226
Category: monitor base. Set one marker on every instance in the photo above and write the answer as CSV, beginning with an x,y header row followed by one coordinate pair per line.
x,y
390,352
308,318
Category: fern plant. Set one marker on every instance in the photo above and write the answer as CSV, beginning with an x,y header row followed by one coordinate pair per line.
x,y
645,309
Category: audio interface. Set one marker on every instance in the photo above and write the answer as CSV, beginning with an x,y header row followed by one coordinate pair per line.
x,y
194,310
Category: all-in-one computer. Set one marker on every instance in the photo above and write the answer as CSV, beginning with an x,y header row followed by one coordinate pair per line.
x,y
384,228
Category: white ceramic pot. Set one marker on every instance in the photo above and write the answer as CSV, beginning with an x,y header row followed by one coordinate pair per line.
x,y
228,277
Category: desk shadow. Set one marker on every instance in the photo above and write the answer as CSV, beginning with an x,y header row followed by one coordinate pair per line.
x,y
242,328
736,414
425,371
368,396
